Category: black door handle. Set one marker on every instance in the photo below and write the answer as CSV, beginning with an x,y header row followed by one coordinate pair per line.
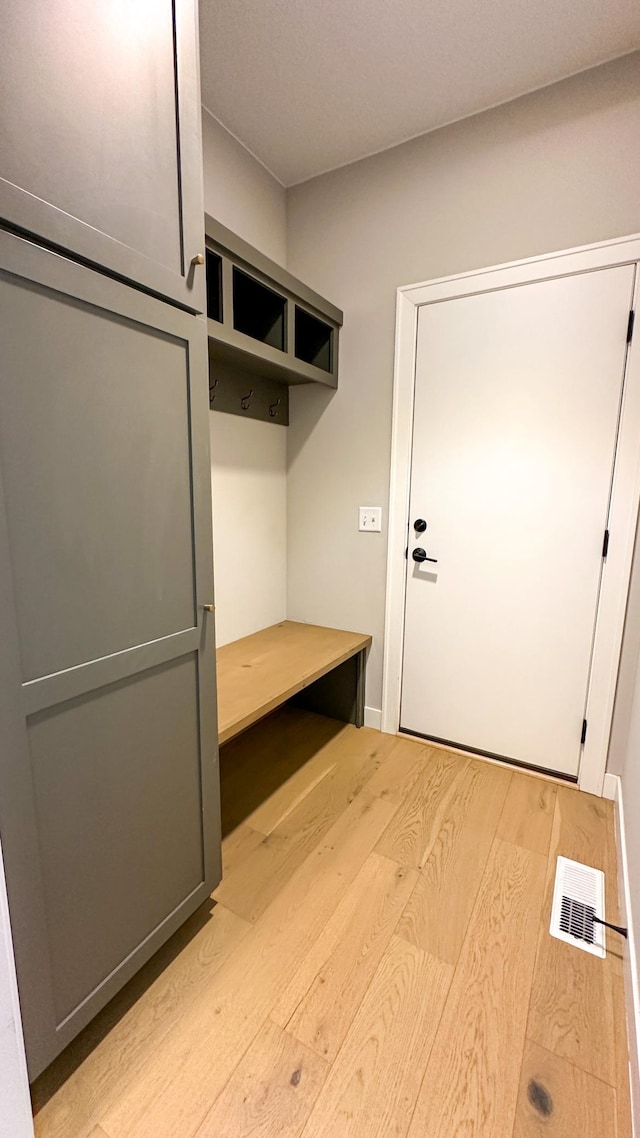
x,y
421,555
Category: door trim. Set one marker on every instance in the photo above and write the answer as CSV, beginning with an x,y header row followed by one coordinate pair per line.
x,y
624,499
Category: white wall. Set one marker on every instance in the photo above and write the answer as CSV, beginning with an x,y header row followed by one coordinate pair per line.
x,y
248,479
554,169
248,458
624,759
15,1103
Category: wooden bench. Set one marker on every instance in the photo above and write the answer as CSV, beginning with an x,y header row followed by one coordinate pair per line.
x,y
322,667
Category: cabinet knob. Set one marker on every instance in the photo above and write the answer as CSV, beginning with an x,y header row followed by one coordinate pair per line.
x,y
198,259
209,608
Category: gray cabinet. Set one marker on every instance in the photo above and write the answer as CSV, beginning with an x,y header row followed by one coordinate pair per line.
x,y
100,137
109,809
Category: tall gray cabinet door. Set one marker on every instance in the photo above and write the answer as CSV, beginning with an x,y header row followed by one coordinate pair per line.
x,y
100,136
109,801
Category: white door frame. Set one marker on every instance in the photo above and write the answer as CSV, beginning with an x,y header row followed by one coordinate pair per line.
x,y
624,500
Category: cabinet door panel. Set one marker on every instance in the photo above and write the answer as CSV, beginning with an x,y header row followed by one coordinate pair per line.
x,y
99,156
123,528
109,803
118,820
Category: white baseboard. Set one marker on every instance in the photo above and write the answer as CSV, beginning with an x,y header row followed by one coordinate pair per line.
x,y
631,988
610,786
373,717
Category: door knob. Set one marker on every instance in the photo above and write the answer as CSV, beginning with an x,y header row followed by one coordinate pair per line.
x,y
420,525
420,555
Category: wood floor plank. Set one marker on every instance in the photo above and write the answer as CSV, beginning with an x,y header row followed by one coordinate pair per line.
x,y
558,1100
273,812
617,949
271,1093
438,913
253,767
352,915
79,1087
572,998
415,826
250,889
179,1084
374,1082
339,968
185,1046
527,816
471,1081
402,768
623,1088
237,846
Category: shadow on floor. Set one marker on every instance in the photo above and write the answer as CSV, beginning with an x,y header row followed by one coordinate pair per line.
x,y
251,768
46,1085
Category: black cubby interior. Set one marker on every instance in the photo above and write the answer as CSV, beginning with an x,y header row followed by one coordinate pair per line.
x,y
313,340
214,286
258,311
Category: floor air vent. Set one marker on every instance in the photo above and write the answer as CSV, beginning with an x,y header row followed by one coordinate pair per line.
x,y
578,898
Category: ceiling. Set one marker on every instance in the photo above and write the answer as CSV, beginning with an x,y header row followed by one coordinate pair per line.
x,y
309,85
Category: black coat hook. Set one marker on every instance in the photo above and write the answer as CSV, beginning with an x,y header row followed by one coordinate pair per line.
x,y
244,402
212,387
273,408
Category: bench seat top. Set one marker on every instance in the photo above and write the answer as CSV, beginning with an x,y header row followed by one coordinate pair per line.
x,y
262,671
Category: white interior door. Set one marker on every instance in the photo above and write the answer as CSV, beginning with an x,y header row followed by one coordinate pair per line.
x,y
516,415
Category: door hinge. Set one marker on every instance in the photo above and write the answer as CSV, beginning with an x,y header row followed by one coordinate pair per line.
x,y
406,553
584,732
632,318
605,544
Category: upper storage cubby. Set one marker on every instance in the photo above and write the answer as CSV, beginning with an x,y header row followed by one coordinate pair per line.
x,y
214,286
258,311
263,321
313,340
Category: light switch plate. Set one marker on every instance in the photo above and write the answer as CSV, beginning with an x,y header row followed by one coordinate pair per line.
x,y
370,518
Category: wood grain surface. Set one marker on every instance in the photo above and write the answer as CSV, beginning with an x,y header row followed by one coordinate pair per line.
x,y
396,976
373,1085
471,1082
89,1077
438,913
418,820
249,890
370,913
236,849
527,815
557,1099
254,775
180,1082
572,996
260,672
271,1093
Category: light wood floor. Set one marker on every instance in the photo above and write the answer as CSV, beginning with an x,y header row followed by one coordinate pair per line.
x,y
377,963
